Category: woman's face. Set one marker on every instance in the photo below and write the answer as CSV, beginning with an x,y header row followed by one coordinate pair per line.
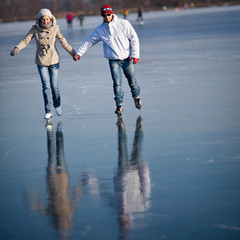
x,y
45,20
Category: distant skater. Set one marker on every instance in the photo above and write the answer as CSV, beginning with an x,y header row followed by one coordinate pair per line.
x,y
121,46
70,17
125,13
81,19
45,32
140,15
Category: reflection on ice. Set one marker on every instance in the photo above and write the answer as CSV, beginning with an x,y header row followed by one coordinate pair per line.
x,y
132,180
61,202
60,207
229,227
132,184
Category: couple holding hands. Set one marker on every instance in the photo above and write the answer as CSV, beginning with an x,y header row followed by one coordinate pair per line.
x,y
120,45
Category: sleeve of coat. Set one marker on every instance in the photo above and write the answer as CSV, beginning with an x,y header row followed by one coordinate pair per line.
x,y
64,42
134,41
26,40
88,43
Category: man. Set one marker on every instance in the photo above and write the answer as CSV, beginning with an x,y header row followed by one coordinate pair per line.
x,y
121,48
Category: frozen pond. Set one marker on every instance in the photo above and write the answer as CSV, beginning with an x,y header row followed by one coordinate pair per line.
x,y
171,171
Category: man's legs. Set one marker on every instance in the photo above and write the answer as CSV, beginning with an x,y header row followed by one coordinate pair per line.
x,y
116,67
116,72
128,70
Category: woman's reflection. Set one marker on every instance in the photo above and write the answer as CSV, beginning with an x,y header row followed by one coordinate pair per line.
x,y
60,206
132,180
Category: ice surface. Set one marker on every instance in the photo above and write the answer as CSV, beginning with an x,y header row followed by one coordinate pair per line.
x,y
175,176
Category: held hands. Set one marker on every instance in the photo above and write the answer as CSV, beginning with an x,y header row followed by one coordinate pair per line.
x,y
14,52
135,60
76,57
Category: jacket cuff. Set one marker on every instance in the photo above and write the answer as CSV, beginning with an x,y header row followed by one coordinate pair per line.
x,y
72,52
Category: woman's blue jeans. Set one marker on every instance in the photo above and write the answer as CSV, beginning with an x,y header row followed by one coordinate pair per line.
x,y
116,67
50,86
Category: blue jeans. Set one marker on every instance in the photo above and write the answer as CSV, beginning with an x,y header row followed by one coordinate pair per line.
x,y
50,86
116,67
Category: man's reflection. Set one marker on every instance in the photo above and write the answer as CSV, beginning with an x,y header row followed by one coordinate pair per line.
x,y
132,181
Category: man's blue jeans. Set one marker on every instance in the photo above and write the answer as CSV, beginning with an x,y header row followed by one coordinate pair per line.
x,y
50,86
116,67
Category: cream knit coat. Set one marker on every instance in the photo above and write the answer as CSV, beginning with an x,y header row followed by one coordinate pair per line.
x,y
46,52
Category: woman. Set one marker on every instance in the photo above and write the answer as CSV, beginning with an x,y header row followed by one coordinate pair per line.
x,y
47,58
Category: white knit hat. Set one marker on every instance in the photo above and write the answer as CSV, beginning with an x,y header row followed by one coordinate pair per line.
x,y
44,12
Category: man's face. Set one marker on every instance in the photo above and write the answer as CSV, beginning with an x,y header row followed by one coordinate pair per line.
x,y
107,17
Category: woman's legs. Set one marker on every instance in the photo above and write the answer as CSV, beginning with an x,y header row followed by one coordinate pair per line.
x,y
50,84
53,73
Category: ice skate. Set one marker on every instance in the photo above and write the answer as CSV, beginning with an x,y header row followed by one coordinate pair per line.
x,y
58,111
48,116
138,103
119,111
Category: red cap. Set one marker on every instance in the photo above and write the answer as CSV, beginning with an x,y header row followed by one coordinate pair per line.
x,y
106,9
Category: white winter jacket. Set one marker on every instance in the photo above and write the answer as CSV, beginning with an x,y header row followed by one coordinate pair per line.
x,y
119,38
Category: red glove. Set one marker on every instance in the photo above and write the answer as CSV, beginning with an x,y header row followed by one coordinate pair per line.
x,y
76,57
135,60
